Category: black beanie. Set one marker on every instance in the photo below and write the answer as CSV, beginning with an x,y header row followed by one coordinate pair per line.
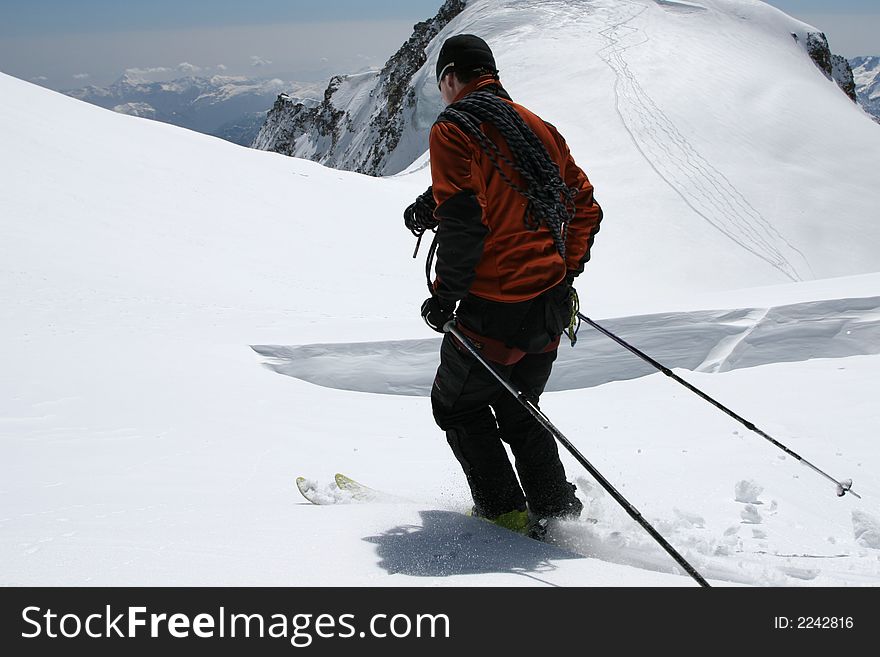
x,y
466,52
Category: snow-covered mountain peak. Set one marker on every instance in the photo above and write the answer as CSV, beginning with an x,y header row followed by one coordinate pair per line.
x,y
729,105
379,125
866,73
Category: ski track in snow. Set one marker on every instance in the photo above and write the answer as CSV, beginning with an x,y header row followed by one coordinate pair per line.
x,y
702,341
706,190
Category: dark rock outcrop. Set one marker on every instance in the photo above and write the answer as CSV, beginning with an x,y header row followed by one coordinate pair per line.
x,y
834,67
351,128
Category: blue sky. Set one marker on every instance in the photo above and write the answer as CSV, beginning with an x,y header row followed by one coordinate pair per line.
x,y
40,17
66,44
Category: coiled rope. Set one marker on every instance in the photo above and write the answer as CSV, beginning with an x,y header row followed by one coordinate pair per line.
x,y
550,200
419,218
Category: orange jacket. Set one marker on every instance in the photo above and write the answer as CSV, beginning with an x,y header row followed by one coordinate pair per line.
x,y
484,247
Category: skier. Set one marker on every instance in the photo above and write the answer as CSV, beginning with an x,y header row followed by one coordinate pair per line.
x,y
514,219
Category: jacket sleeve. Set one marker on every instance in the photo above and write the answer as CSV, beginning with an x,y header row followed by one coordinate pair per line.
x,y
459,192
588,214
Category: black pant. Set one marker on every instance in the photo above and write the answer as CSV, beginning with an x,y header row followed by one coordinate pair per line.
x,y
477,414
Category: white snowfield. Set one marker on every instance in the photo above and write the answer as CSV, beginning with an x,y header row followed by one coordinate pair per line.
x,y
156,284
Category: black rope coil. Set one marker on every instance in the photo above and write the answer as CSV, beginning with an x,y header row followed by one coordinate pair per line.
x,y
550,200
419,216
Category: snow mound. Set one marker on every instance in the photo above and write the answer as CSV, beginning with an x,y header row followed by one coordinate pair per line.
x,y
750,515
748,491
866,529
701,341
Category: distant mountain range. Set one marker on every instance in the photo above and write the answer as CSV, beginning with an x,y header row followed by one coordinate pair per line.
x,y
866,73
233,108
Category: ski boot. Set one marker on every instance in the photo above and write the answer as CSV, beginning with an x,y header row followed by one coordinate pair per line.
x,y
516,520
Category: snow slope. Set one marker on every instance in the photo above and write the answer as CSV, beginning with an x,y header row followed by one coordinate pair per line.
x,y
704,127
154,280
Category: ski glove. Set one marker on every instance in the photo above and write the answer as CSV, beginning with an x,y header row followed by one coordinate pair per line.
x,y
419,216
437,312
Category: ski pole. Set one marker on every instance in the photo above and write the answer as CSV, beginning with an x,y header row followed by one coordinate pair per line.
x,y
449,327
843,487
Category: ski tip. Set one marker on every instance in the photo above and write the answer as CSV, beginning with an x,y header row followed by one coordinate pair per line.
x,y
304,486
347,483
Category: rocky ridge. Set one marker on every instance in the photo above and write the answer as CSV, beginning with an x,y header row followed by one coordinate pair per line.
x,y
363,119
